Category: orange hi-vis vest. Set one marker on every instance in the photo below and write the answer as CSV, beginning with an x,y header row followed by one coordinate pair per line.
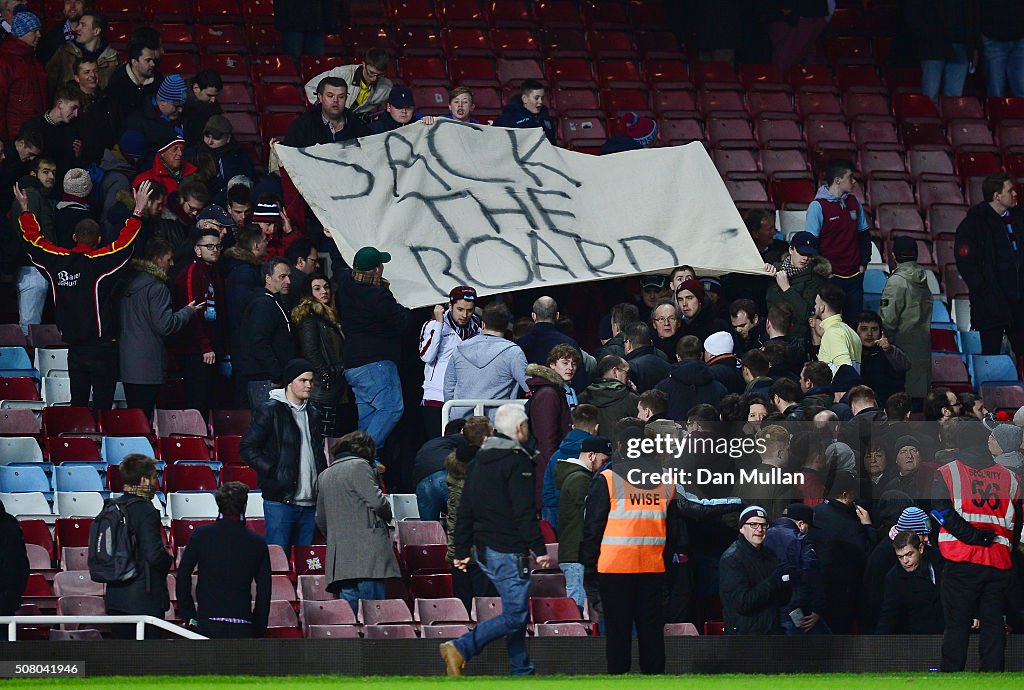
x,y
634,537
985,498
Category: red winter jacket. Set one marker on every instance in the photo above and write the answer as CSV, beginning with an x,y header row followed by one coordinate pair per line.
x,y
22,86
550,419
199,282
160,173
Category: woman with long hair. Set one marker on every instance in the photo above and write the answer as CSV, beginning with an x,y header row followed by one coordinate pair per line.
x,y
322,342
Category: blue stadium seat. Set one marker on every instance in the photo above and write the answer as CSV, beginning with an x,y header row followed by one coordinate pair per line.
x,y
114,448
992,369
14,361
70,477
23,478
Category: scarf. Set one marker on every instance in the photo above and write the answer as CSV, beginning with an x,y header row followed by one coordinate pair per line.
x,y
68,196
146,492
466,332
790,269
369,278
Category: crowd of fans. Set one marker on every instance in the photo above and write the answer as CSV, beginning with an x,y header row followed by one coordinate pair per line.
x,y
134,206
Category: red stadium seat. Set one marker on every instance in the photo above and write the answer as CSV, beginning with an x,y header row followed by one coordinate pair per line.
x,y
71,532
181,531
509,13
977,164
258,11
418,39
551,13
564,43
547,584
659,44
515,43
612,44
939,192
647,15
773,133
680,130
849,50
129,422
225,450
605,14
970,135
913,105
36,532
440,610
731,131
885,163
947,369
265,39
413,11
280,98
423,70
667,74
617,101
232,67
68,420
792,194
961,107
820,130
728,103
762,78
737,164
220,38
900,218
16,422
570,72
569,100
944,340
871,131
882,192
434,586
243,124
818,103
514,72
61,449
617,73
783,161
18,388
747,191
930,162
811,78
336,612
180,37
674,102
239,473
770,102
418,532
580,131
183,477
553,610
386,632
472,71
1004,108
45,335
715,75
383,611
169,10
460,13
425,558
560,630
859,77
230,421
218,10
312,65
309,560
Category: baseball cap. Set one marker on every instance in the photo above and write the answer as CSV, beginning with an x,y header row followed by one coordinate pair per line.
x,y
805,243
463,292
652,281
369,258
401,97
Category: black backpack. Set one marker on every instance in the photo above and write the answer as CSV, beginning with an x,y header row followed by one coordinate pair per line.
x,y
112,544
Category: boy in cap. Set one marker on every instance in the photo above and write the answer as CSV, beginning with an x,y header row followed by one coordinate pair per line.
x,y
573,477
698,313
798,277
399,111
787,539
272,219
373,321
906,312
286,448
452,324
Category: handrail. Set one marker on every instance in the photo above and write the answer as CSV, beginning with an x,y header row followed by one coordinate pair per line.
x,y
477,404
140,622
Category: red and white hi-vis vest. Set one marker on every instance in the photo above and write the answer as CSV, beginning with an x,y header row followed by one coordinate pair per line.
x,y
985,498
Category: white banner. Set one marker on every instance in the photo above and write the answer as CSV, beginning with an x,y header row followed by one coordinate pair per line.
x,y
502,209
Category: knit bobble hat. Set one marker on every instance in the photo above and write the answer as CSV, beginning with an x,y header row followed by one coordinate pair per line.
x,y
172,89
694,286
643,130
78,183
25,22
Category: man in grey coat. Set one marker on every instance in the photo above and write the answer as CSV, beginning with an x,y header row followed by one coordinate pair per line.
x,y
906,311
487,367
353,512
146,319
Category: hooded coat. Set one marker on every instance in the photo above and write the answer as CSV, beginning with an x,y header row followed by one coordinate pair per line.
x,y
22,86
550,419
118,174
485,367
613,400
146,319
241,271
573,481
353,513
690,383
906,311
803,287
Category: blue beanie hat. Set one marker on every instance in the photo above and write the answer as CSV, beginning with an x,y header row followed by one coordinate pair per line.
x,y
172,89
25,22
132,144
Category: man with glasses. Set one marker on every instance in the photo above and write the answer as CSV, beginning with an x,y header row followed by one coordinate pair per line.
x,y
752,583
665,320
305,259
369,88
202,338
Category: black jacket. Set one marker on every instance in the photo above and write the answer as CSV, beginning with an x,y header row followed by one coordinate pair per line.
x,y
497,509
268,344
705,322
751,589
14,568
648,366
796,550
309,129
146,593
271,446
84,280
230,557
843,545
126,94
372,319
153,126
724,370
67,219
516,116
690,383
432,454
911,603
323,344
993,273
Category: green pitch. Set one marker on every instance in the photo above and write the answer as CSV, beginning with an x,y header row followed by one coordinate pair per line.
x,y
875,681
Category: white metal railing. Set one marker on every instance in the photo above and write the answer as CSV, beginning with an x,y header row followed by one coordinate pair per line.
x,y
12,623
478,406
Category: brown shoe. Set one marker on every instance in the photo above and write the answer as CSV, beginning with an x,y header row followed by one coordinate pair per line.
x,y
453,661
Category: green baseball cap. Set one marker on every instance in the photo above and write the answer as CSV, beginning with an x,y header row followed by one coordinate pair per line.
x,y
369,258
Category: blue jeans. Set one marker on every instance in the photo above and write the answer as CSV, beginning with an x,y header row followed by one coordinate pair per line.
x,y
951,75
378,393
289,525
354,590
574,582
1004,60
790,627
32,288
299,43
432,495
503,571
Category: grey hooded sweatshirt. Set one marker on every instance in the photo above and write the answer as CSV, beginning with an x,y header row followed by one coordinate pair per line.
x,y
486,368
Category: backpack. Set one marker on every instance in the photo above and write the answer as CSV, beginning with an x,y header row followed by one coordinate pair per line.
x,y
112,545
